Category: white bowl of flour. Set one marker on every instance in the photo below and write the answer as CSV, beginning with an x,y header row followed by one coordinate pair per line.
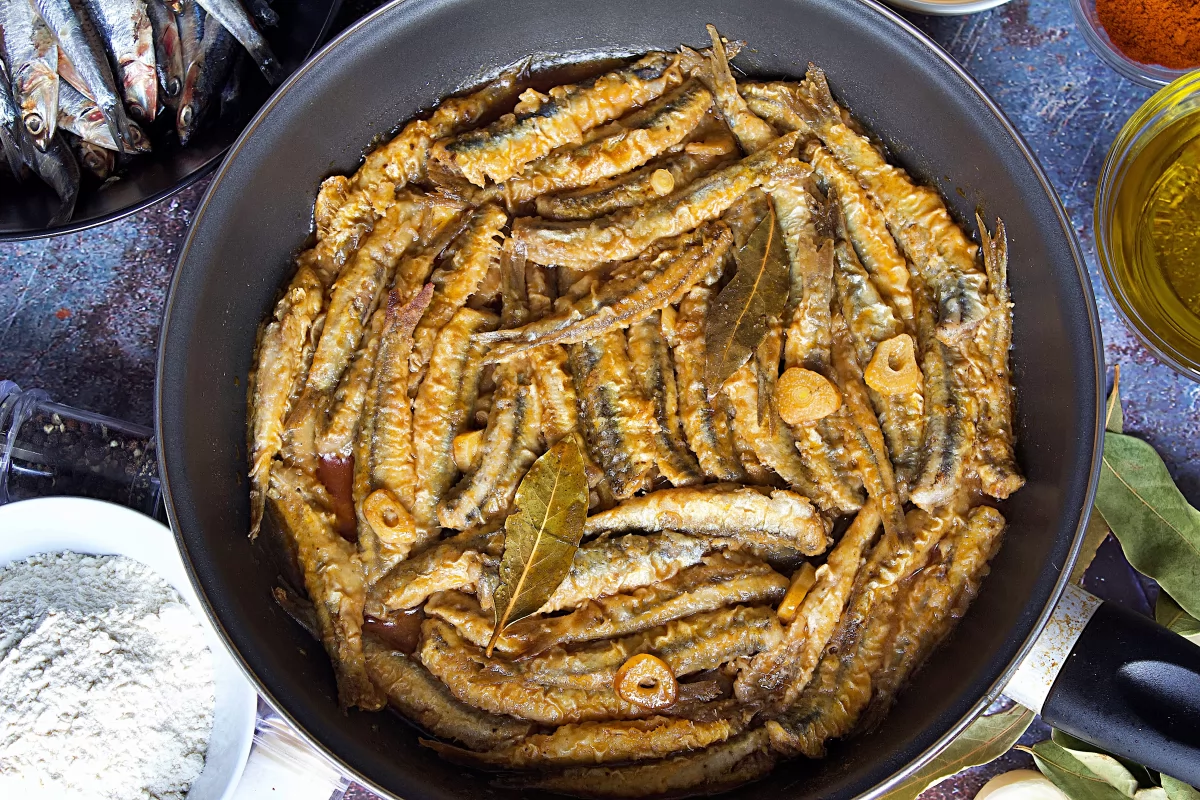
x,y
112,688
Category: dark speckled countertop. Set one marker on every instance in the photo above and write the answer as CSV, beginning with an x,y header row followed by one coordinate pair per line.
x,y
79,314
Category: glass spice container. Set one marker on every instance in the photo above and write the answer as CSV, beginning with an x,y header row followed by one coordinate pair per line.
x,y
47,448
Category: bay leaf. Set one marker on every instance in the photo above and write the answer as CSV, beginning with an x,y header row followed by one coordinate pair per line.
x,y
1114,416
1070,774
1158,530
542,534
741,315
1093,536
1178,790
1168,614
984,740
1125,769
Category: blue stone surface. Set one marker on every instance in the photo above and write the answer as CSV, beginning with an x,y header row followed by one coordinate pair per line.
x,y
79,314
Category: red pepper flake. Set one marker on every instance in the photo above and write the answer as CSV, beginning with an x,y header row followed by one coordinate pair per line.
x,y
63,313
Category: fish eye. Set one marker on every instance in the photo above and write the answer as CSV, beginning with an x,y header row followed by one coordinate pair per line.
x,y
137,111
34,124
173,87
185,115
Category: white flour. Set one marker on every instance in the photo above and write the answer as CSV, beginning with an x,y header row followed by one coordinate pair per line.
x,y
106,684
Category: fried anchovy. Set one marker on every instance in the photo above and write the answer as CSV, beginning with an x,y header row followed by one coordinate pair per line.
x,y
629,232
419,696
334,580
936,599
636,188
654,280
831,703
780,673
655,375
277,370
995,463
719,580
752,133
337,433
455,563
443,405
390,436
714,769
772,102
357,290
642,136
915,214
618,423
870,321
541,123
865,439
510,446
445,654
478,251
770,440
810,276
556,393
950,413
747,514
689,645
868,232
598,743
707,433
402,160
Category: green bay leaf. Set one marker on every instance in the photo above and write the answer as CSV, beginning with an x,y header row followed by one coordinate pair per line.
x,y
1178,790
1071,775
739,318
1158,530
1168,614
984,740
542,534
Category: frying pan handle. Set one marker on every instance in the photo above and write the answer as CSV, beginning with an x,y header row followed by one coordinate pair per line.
x,y
1116,679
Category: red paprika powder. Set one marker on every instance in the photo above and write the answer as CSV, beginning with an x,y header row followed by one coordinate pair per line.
x,y
1164,32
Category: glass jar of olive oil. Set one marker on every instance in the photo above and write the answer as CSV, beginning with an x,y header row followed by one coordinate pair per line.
x,y
1148,223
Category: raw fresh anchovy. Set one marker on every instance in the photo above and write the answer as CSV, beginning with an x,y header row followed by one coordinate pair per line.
x,y
81,43
168,53
32,58
12,135
207,70
233,18
125,28
79,115
97,160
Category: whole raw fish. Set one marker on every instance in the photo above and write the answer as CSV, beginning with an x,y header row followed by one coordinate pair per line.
x,y
32,58
78,114
234,19
168,52
125,27
80,42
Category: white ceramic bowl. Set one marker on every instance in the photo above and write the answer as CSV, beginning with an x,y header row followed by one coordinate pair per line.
x,y
945,8
52,524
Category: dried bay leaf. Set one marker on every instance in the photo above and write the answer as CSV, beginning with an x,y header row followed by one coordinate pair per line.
x,y
1168,614
1093,536
984,740
1071,775
739,318
1127,777
1178,790
542,534
1158,530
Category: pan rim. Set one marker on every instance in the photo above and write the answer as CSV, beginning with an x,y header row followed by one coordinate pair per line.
x,y
996,687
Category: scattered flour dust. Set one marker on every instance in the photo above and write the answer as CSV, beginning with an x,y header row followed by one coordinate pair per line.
x,y
106,683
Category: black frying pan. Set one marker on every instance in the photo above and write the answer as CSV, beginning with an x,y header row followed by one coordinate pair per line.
x,y
937,123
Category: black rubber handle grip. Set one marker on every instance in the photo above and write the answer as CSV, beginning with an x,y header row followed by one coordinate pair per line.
x,y
1132,687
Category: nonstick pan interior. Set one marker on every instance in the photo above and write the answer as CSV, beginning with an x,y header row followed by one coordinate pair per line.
x,y
407,56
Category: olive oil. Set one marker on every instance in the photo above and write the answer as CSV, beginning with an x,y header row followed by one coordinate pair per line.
x,y
1156,239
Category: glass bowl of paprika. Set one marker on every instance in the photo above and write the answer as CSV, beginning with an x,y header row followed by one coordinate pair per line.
x,y
1151,42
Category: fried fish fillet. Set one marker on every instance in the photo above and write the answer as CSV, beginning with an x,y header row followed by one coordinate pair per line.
x,y
747,514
